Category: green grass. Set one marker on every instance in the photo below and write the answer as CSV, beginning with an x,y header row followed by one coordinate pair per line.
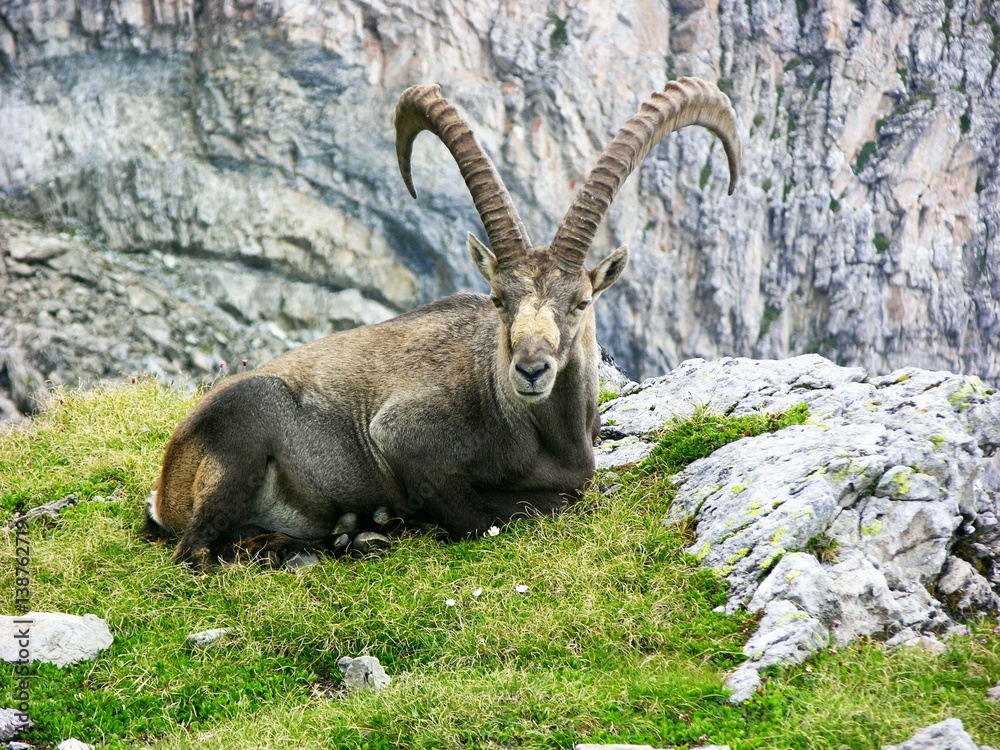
x,y
881,242
704,433
706,173
615,639
864,156
606,395
559,37
771,314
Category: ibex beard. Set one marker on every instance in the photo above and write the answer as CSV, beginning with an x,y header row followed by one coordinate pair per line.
x,y
463,413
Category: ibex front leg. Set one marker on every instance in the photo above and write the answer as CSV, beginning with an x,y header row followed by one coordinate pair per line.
x,y
465,511
223,491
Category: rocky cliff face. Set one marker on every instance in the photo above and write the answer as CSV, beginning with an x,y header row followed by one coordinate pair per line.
x,y
231,162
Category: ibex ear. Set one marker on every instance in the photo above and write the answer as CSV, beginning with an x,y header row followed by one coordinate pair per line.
x,y
483,257
609,270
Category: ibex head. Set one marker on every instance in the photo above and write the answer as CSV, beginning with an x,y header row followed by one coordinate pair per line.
x,y
544,294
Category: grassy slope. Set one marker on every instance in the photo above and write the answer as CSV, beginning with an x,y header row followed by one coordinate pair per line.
x,y
614,640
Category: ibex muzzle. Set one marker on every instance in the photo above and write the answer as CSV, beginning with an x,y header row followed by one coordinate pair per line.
x,y
465,412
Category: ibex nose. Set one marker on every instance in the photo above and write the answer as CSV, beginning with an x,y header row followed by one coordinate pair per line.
x,y
532,371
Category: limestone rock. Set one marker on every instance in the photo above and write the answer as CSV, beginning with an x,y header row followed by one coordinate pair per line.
x,y
994,693
207,638
363,673
101,314
799,578
743,683
948,734
787,635
53,637
37,247
12,723
21,381
964,589
895,474
621,452
51,509
613,378
909,638
73,744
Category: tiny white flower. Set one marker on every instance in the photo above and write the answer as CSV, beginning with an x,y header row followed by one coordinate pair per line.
x,y
477,592
449,602
493,530
520,588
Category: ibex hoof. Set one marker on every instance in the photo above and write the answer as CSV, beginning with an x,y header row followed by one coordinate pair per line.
x,y
198,560
369,544
346,524
341,543
302,560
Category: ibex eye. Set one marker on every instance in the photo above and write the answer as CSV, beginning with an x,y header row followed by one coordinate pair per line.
x,y
583,304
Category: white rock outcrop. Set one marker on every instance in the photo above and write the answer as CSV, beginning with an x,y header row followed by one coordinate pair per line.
x,y
73,744
879,516
52,637
946,735
13,723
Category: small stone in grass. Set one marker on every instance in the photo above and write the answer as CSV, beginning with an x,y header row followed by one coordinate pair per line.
x,y
56,638
12,723
207,638
73,744
363,673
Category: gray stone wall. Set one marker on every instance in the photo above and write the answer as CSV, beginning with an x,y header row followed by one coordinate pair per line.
x,y
240,153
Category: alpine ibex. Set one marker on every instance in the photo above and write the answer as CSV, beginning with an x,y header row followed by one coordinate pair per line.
x,y
469,410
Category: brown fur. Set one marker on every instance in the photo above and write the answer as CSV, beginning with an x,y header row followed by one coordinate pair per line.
x,y
466,412
417,413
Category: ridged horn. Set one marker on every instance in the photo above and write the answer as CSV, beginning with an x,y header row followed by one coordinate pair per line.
x,y
688,101
424,108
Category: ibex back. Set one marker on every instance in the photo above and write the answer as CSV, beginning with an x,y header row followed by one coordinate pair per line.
x,y
465,412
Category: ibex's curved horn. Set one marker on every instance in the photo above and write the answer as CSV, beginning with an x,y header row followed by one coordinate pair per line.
x,y
424,108
689,101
